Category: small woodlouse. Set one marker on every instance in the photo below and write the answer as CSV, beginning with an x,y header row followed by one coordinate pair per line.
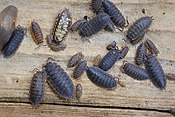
x,y
7,20
155,71
138,29
62,24
115,14
75,59
79,69
54,46
15,41
111,57
111,45
140,54
101,78
78,24
37,87
96,60
36,33
134,71
94,25
59,80
78,92
151,47
97,6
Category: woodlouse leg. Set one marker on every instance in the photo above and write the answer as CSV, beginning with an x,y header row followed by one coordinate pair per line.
x,y
127,22
51,59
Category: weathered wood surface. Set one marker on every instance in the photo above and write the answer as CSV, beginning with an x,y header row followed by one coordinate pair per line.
x,y
15,73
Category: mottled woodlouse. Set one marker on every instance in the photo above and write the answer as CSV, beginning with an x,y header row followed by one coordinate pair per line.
x,y
101,78
155,71
36,33
140,54
134,71
94,25
151,47
59,79
37,87
75,59
115,14
111,57
137,30
78,24
79,90
79,69
15,41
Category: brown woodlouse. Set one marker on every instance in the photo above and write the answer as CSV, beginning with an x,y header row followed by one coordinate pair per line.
x,y
7,20
59,80
36,33
101,78
111,57
96,60
155,71
138,29
37,87
140,54
94,25
15,41
79,69
111,45
62,24
114,13
97,6
75,59
151,47
78,24
78,92
134,71
54,46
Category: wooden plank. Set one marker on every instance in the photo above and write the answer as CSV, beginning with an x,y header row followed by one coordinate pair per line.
x,y
25,110
15,75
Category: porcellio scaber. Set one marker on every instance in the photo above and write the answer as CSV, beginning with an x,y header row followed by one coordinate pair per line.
x,y
101,78
59,80
140,54
79,90
151,47
75,59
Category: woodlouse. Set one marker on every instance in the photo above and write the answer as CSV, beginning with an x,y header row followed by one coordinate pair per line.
x,y
15,41
111,45
96,60
78,92
115,14
140,54
155,71
37,87
54,46
134,71
97,6
151,47
124,52
138,28
7,20
62,24
78,24
59,80
94,25
36,33
110,26
101,78
75,59
79,69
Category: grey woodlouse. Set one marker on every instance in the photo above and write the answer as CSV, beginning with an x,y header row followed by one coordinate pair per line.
x,y
62,24
134,71
36,33
111,57
59,80
151,47
111,45
37,87
75,59
140,54
138,28
7,20
79,90
54,46
94,25
79,69
97,6
78,24
101,78
114,13
15,41
155,71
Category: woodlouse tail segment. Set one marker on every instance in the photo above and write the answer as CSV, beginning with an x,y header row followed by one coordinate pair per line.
x,y
51,59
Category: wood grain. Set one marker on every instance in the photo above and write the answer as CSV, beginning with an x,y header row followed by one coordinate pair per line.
x,y
15,73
